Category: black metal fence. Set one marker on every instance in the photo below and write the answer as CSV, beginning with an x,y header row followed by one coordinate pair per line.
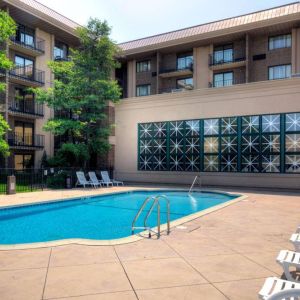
x,y
29,180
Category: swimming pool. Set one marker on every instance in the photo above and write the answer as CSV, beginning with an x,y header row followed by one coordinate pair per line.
x,y
105,217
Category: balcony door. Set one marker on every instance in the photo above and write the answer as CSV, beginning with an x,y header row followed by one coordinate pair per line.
x,y
223,54
24,67
23,101
25,35
23,133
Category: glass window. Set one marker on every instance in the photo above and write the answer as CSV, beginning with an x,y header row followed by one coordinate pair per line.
x,y
184,62
143,66
60,51
181,83
223,79
223,54
280,72
280,41
23,161
143,90
25,35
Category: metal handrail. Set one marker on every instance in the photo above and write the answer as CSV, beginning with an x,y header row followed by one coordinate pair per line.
x,y
155,203
195,179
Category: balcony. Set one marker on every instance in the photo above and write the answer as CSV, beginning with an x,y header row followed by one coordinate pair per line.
x,y
226,83
34,47
166,73
234,60
26,74
62,58
25,107
29,141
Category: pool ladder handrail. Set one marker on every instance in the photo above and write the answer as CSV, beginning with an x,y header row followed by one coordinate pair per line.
x,y
195,179
156,202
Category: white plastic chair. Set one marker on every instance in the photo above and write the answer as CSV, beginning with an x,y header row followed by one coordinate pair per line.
x,y
94,179
287,259
295,240
106,178
81,180
279,289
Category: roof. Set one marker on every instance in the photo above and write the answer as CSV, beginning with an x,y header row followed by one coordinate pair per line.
x,y
263,15
40,8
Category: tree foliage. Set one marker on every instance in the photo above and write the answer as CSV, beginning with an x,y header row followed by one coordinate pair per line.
x,y
81,92
7,29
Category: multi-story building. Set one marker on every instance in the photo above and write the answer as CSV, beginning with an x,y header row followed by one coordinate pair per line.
x,y
221,99
42,35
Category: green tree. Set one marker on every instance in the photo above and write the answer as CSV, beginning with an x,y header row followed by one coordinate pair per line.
x,y
82,89
7,29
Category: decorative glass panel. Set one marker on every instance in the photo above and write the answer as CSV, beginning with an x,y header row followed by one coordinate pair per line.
x,y
145,131
211,127
250,163
271,143
159,163
292,122
176,129
270,163
176,163
292,143
271,123
192,163
229,125
159,146
250,124
292,163
229,144
146,147
159,130
250,144
176,146
192,128
229,163
192,145
211,145
211,163
145,163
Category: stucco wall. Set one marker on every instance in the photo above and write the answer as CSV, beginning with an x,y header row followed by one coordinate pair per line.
x,y
254,98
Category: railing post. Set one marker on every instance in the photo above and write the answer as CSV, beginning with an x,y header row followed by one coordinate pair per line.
x,y
158,220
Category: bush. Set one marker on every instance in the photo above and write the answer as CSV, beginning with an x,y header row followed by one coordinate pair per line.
x,y
57,181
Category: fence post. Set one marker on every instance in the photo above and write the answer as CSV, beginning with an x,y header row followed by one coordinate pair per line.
x,y
11,185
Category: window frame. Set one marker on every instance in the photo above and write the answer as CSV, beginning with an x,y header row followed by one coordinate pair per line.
x,y
57,45
223,73
143,85
223,48
139,63
283,65
185,56
278,36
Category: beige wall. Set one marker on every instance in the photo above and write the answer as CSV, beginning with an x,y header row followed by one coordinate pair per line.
x,y
254,98
202,72
296,51
131,75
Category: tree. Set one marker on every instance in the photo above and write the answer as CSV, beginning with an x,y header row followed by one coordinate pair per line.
x,y
81,92
7,29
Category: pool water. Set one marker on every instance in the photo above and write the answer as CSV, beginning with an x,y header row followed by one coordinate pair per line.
x,y
102,217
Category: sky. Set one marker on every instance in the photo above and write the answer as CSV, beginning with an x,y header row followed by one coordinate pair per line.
x,y
133,19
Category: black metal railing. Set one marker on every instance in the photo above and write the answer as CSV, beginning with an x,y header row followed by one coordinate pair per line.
x,y
171,90
26,140
62,58
28,73
226,83
29,107
170,70
37,44
227,59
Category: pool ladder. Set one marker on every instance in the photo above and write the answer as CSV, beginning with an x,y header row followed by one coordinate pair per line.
x,y
194,182
155,203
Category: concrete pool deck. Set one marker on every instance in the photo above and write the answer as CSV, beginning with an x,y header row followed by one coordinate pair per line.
x,y
226,254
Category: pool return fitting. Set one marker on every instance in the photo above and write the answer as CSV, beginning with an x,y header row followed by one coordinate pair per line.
x,y
155,203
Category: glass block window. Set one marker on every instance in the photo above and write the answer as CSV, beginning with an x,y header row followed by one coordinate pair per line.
x,y
257,144
280,41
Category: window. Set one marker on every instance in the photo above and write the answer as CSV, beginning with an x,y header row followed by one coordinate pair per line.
x,y
143,90
280,41
184,62
181,83
279,72
223,54
60,51
25,35
23,101
23,133
223,79
24,66
23,161
143,66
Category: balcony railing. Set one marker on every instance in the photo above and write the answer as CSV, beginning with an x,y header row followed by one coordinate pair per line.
x,y
36,45
187,68
227,59
28,107
62,58
26,140
28,73
226,83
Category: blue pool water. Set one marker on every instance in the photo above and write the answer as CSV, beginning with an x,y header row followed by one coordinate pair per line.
x,y
102,217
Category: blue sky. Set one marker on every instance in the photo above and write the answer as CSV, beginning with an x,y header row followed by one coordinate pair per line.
x,y
132,19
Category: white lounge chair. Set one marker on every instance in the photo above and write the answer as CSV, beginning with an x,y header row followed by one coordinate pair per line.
x,y
278,289
295,240
106,178
94,179
81,180
287,259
